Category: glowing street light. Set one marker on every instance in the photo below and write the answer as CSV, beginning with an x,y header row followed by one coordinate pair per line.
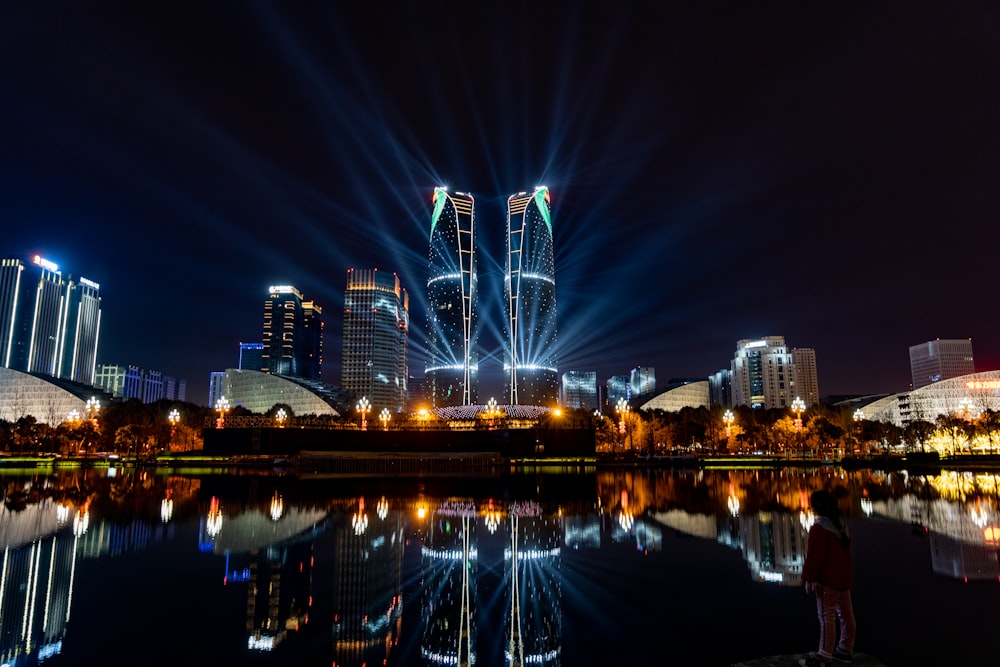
x,y
728,419
364,406
222,405
281,416
798,406
384,417
93,407
966,406
622,408
73,418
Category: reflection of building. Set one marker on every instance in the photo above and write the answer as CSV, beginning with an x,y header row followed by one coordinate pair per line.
x,y
452,371
579,390
279,592
376,325
532,563
367,593
938,360
764,374
963,560
450,565
773,545
292,339
48,324
530,375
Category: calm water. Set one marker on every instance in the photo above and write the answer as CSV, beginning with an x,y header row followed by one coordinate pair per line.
x,y
617,567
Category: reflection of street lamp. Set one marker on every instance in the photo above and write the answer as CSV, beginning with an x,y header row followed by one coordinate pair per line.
x,y
222,405
384,417
363,407
280,416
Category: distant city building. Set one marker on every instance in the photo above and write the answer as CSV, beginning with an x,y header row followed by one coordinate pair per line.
x,y
292,339
216,387
679,395
939,359
48,324
530,374
251,357
616,387
376,326
579,390
805,383
452,372
642,380
148,386
720,386
48,399
259,392
965,395
764,374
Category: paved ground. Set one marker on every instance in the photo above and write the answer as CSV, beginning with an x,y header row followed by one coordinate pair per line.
x,y
860,660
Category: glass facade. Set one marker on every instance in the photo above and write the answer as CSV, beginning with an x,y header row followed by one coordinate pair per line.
x,y
293,334
451,376
376,325
938,360
579,389
530,375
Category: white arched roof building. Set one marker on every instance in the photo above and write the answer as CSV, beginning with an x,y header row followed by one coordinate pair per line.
x,y
674,399
49,400
971,393
259,392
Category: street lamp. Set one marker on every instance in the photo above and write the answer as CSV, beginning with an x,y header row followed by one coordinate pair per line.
x,y
173,418
728,419
622,408
93,407
222,405
363,407
73,418
798,405
384,417
966,406
280,416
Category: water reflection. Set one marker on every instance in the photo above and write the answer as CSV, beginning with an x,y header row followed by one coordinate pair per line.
x,y
303,554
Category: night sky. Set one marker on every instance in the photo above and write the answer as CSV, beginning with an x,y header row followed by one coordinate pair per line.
x,y
825,173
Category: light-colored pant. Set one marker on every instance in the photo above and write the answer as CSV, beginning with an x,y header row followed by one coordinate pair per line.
x,y
832,605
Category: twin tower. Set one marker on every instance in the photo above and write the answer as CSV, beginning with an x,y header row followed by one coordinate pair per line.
x,y
529,302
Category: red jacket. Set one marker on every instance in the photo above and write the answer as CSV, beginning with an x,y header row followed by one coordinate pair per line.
x,y
828,562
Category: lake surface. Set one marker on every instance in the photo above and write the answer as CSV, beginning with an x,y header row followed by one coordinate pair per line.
x,y
543,567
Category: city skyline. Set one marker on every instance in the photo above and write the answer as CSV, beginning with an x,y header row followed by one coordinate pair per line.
x,y
720,174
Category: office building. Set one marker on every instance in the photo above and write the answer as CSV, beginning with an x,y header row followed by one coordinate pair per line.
x,y
452,372
763,374
938,360
216,387
805,382
130,381
251,357
48,324
530,374
292,340
642,380
579,390
720,386
376,326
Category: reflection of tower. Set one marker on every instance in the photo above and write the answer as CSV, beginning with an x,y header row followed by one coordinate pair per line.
x,y
530,371
367,595
774,545
279,593
534,627
963,560
453,369
36,588
449,563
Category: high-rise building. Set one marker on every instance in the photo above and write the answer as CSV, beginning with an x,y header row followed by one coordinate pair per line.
x,y
452,373
216,387
939,359
763,373
530,374
48,324
376,325
251,357
805,381
293,334
131,381
642,380
579,390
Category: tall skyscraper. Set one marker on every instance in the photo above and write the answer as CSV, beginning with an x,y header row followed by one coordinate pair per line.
x,y
251,357
530,375
579,389
938,360
762,373
293,334
48,324
376,325
452,373
804,377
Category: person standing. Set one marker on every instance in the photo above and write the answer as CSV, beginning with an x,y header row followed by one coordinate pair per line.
x,y
827,573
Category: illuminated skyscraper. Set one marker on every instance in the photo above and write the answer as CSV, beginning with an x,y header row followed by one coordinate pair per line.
x,y
376,324
764,374
451,376
938,360
293,334
579,389
48,324
530,375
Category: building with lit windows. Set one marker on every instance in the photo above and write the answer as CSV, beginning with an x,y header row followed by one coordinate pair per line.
x,y
938,360
131,381
251,357
376,326
48,324
452,374
530,373
48,399
642,380
259,392
966,395
292,340
579,390
764,374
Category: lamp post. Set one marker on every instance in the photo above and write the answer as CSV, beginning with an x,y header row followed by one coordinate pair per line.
x,y
363,407
222,405
173,418
798,405
93,408
728,420
281,416
384,417
622,408
73,418
859,416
